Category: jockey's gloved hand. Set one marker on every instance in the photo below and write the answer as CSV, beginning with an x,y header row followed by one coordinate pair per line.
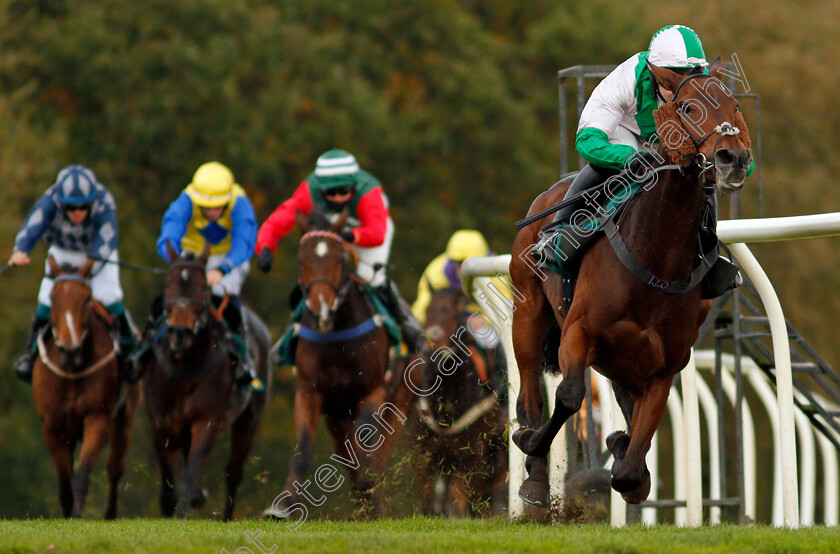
x,y
641,162
265,259
347,235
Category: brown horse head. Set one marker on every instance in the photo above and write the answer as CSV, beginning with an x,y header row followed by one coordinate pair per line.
x,y
442,316
186,298
71,297
703,121
325,260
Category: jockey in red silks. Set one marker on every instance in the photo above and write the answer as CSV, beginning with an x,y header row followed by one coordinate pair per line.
x,y
338,183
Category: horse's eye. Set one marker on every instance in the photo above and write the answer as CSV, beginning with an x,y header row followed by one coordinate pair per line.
x,y
685,108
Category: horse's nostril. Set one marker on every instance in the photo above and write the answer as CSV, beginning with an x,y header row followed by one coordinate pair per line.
x,y
725,158
745,158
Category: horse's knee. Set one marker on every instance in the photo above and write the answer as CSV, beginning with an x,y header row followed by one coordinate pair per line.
x,y
570,393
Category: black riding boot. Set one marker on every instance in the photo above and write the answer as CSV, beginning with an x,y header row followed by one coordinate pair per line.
x,y
411,330
26,360
245,375
139,356
126,337
587,178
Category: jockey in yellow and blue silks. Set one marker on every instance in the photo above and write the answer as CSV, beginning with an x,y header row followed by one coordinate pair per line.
x,y
214,210
77,218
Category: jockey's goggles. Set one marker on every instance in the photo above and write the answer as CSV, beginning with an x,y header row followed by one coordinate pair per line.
x,y
339,191
76,207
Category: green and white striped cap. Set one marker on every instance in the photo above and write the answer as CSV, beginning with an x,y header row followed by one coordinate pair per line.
x,y
336,168
676,46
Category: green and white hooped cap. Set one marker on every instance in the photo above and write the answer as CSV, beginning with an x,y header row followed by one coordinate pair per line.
x,y
676,47
336,168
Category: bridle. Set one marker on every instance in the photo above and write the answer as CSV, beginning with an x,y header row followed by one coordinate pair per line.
x,y
342,288
204,303
723,129
86,282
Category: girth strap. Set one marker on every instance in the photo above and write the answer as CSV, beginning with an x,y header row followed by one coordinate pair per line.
x,y
707,260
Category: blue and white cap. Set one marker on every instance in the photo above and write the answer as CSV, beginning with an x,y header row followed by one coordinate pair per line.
x,y
76,185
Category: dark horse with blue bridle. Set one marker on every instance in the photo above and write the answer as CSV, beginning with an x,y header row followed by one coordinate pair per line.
x,y
189,389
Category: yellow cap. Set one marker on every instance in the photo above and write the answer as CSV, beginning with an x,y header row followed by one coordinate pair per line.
x,y
466,243
212,185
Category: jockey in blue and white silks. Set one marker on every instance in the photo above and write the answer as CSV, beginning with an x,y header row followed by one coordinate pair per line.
x,y
77,219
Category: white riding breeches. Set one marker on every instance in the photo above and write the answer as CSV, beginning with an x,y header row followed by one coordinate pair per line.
x,y
104,285
370,257
232,281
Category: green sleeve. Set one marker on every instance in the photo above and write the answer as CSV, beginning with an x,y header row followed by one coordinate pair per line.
x,y
596,148
752,168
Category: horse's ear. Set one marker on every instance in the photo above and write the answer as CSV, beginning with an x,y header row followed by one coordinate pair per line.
x,y
716,69
667,78
84,271
339,223
206,252
170,251
55,270
302,224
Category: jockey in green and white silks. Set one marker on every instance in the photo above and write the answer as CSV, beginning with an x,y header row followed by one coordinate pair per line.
x,y
618,117
617,120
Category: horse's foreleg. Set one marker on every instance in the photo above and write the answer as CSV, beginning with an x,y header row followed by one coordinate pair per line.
x,y
120,436
241,439
630,476
95,436
568,395
190,494
308,404
62,455
625,402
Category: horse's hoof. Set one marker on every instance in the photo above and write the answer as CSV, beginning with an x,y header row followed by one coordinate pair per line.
x,y
522,438
535,493
637,495
198,500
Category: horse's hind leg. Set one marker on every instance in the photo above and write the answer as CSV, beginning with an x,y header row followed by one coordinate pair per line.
x,y
630,474
241,439
120,436
62,455
95,437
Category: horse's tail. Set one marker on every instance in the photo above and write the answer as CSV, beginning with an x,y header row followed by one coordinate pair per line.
x,y
551,343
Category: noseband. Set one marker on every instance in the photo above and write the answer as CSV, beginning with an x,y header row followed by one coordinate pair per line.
x,y
184,301
341,288
723,129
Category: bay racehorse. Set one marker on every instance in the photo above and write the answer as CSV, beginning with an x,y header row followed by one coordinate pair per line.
x,y
632,331
460,425
188,385
342,360
80,391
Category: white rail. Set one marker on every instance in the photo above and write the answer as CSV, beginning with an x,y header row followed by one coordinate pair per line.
x,y
736,232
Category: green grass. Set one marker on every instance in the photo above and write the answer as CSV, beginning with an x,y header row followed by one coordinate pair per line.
x,y
405,535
